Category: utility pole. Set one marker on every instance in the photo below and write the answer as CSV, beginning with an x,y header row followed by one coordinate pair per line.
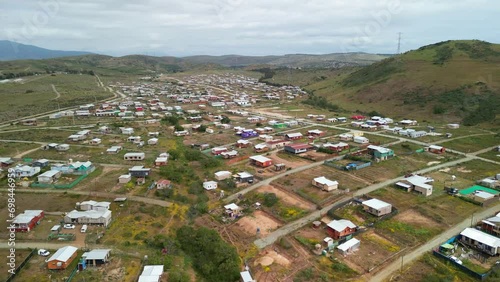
x,y
399,43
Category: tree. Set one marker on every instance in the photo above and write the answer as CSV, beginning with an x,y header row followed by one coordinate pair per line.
x,y
202,128
213,259
178,127
225,120
270,199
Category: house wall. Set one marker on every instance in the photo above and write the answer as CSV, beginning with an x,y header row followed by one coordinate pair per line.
x,y
64,264
337,235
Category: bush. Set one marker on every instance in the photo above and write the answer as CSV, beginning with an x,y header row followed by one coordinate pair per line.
x,y
270,199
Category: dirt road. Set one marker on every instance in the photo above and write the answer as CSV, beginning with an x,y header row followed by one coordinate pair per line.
x,y
410,257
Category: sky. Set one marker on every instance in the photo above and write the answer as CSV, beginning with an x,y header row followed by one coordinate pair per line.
x,y
245,27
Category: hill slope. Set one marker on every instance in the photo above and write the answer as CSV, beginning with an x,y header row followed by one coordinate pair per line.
x,y
16,51
451,80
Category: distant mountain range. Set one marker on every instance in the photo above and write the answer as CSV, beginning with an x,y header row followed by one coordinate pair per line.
x,y
10,51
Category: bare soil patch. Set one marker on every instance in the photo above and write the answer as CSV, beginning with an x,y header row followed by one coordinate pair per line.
x,y
413,217
259,219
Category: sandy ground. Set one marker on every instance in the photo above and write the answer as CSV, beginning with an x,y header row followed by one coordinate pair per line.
x,y
271,257
259,219
414,217
287,198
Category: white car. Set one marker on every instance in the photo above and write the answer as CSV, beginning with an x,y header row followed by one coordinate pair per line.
x,y
69,226
43,253
455,259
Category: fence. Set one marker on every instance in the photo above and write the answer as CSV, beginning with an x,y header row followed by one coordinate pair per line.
x,y
462,267
20,267
59,186
73,273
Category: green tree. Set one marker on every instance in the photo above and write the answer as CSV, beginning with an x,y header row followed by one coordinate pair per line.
x,y
213,259
270,199
225,120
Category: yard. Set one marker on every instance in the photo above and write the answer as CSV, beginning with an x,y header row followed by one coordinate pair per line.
x,y
473,143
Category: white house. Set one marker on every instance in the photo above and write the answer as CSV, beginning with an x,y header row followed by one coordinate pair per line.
x,y
49,176
480,240
151,273
114,150
209,185
95,141
153,141
26,171
127,130
325,184
221,175
134,156
361,140
349,246
102,217
377,207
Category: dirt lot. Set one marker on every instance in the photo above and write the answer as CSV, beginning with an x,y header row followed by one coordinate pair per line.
x,y
259,219
413,217
287,159
287,198
373,250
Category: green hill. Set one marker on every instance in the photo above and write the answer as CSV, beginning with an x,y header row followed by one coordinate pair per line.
x,y
448,81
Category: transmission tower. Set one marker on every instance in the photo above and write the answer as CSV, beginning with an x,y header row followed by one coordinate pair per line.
x,y
399,43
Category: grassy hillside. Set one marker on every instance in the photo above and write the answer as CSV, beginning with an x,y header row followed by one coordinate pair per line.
x,y
448,81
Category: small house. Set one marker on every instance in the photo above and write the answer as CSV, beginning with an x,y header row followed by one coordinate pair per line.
x,y
436,149
27,220
349,247
124,179
416,183
361,140
325,184
244,177
26,171
298,148
315,133
161,161
453,125
338,229
261,161
246,276
49,177
151,273
218,150
338,147
127,130
181,133
221,175
62,258
95,141
481,196
139,171
377,207
134,156
62,147
209,185
114,150
294,136
41,163
163,184
380,153
261,148
229,154
346,137
481,241
232,210
134,139
276,144
94,217
243,143
96,257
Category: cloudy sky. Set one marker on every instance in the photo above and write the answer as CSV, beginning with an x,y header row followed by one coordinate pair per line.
x,y
246,27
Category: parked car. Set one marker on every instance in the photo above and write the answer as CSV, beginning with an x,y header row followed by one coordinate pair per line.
x,y
69,226
43,253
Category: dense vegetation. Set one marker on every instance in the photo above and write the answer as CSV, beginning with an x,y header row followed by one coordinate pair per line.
x,y
213,258
320,102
